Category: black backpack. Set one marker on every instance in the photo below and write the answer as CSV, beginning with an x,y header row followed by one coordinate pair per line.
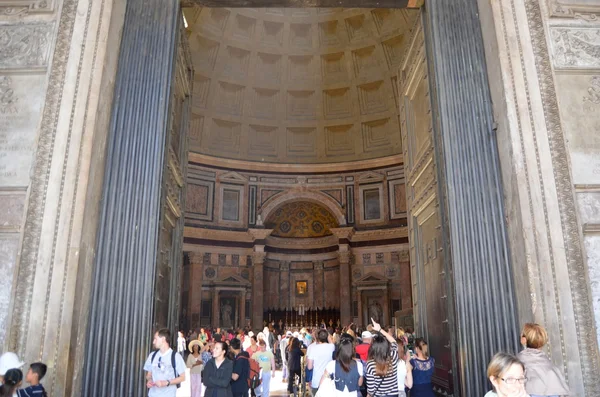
x,y
172,364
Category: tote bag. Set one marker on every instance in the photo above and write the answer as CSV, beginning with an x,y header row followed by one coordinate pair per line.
x,y
327,388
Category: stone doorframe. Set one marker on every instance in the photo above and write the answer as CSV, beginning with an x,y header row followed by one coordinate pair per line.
x,y
372,285
229,287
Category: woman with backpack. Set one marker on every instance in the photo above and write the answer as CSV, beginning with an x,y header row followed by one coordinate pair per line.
x,y
217,373
347,371
382,365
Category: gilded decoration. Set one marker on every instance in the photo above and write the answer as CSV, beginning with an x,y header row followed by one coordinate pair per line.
x,y
301,219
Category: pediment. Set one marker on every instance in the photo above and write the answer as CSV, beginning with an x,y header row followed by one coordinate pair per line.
x,y
233,176
370,176
372,279
233,280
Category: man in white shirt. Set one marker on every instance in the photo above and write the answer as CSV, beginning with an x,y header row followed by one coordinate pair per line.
x,y
165,369
318,356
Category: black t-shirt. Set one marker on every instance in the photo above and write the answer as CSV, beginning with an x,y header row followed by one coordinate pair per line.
x,y
241,366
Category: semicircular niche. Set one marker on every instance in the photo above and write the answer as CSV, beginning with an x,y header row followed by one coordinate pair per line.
x,y
301,219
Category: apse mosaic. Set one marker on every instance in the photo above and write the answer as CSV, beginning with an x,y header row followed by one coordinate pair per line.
x,y
301,219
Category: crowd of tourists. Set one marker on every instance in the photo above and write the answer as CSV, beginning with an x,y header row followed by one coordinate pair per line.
x,y
336,363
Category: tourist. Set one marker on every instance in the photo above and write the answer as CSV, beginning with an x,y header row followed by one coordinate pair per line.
x,y
507,374
12,380
363,348
217,373
543,377
283,348
35,374
346,370
253,345
241,370
382,365
196,365
318,356
206,352
8,361
404,369
164,368
268,337
266,360
180,343
295,355
203,336
422,370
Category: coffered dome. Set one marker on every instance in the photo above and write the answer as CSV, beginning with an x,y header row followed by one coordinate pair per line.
x,y
297,85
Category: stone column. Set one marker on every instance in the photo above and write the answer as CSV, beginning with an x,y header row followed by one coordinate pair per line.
x,y
216,309
344,235
386,307
258,258
360,308
196,279
242,311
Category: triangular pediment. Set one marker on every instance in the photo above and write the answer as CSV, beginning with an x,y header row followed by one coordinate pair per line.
x,y
233,176
370,176
233,280
372,279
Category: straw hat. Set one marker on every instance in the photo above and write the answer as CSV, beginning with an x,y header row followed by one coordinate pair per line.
x,y
193,343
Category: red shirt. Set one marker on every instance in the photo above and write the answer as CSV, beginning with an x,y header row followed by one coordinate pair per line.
x,y
363,351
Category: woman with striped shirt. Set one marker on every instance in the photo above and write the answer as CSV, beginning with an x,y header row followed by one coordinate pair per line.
x,y
382,365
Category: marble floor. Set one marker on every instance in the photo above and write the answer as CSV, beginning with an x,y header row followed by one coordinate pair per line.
x,y
278,388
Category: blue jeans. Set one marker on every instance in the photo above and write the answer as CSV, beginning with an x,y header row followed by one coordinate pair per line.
x,y
265,385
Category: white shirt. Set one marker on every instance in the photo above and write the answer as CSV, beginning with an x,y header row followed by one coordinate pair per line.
x,y
330,368
320,354
401,374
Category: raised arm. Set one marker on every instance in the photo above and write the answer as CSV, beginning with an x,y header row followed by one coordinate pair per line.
x,y
377,328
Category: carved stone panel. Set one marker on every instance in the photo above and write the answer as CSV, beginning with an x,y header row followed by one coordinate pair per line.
x,y
575,48
24,46
20,109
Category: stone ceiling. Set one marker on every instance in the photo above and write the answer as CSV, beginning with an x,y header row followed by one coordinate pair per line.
x,y
301,219
296,85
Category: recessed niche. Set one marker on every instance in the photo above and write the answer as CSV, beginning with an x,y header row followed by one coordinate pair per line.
x,y
244,27
268,68
365,62
393,50
224,136
301,68
237,62
216,20
262,141
301,105
230,99
339,140
264,103
329,33
337,103
201,91
301,142
376,135
301,35
357,28
204,53
333,67
372,98
272,33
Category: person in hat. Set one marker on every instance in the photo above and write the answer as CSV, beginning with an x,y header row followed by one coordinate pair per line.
x,y
195,364
8,361
363,349
283,344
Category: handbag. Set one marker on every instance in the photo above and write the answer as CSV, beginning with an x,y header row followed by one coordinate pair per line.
x,y
327,388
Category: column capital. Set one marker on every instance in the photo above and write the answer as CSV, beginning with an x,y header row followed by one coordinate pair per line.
x,y
259,234
343,233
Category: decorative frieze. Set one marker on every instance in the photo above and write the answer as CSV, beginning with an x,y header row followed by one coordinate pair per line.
x,y
24,46
24,7
575,48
